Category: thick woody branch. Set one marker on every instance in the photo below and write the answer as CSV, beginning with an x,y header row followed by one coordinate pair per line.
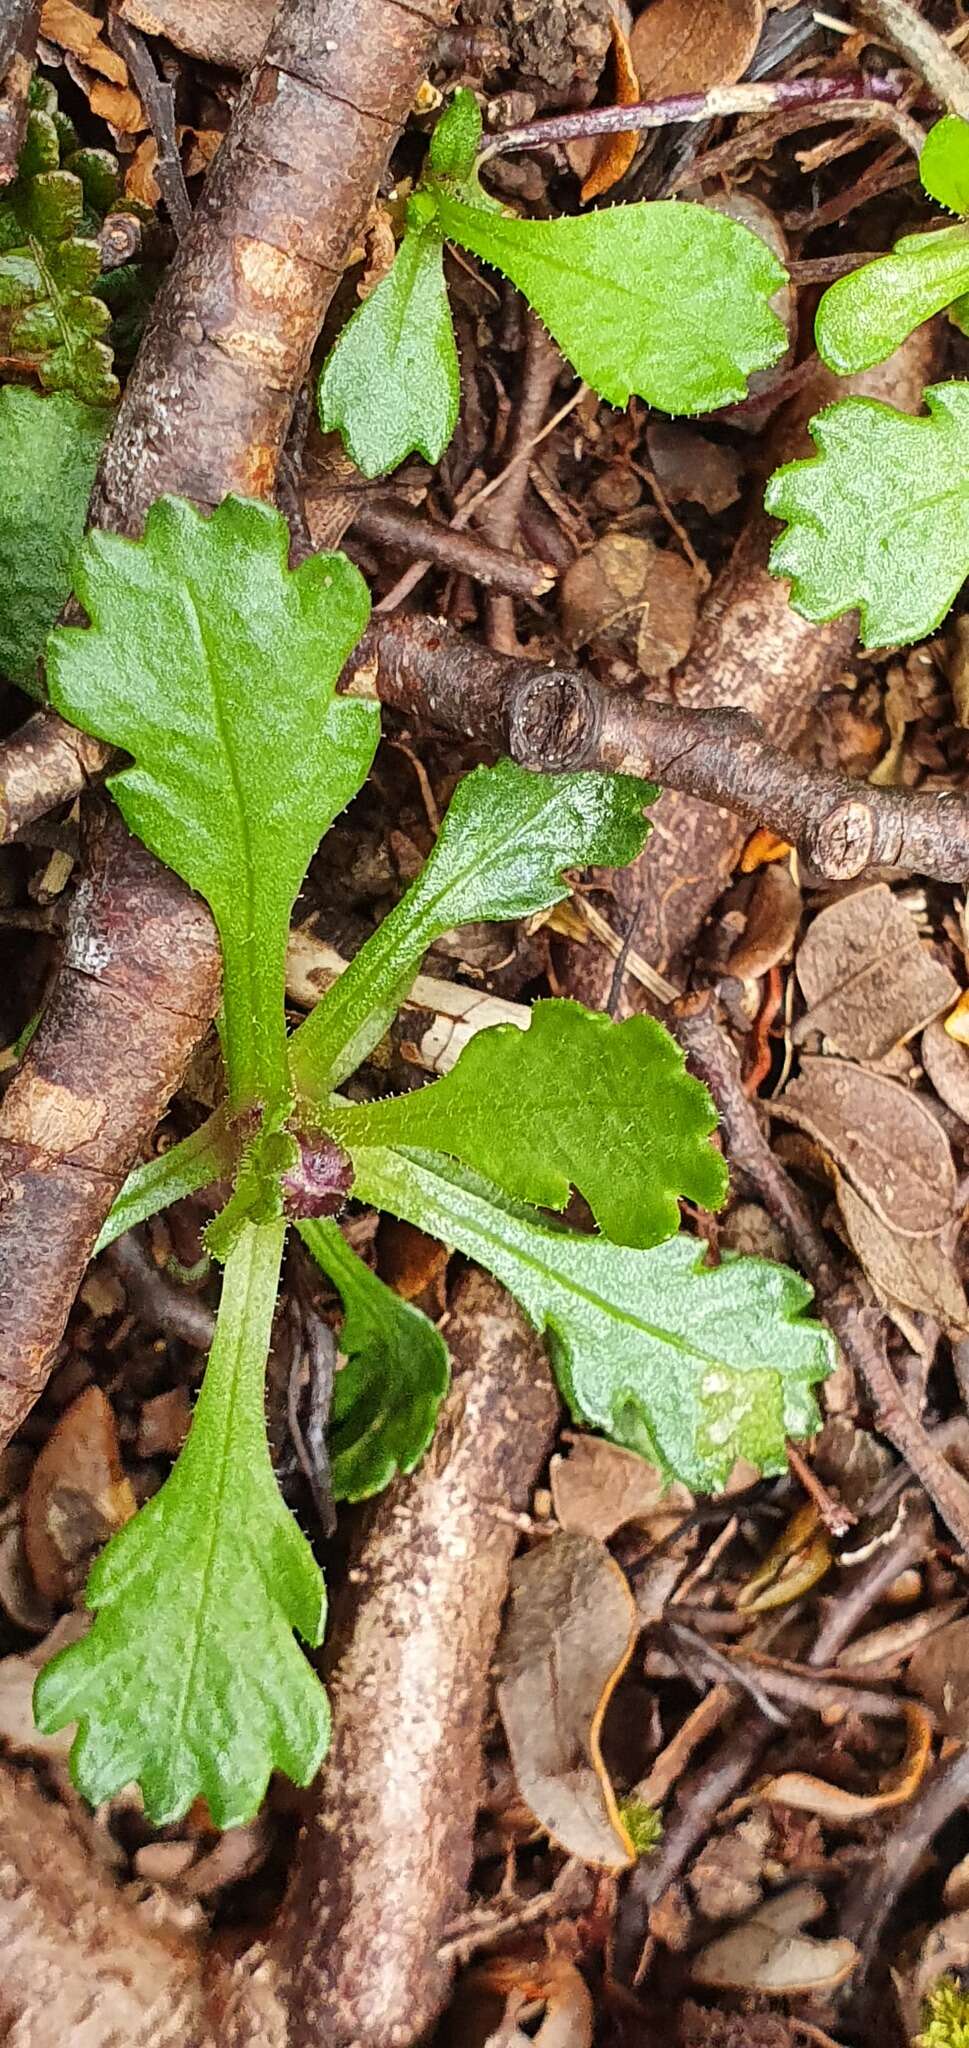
x,y
19,21
558,719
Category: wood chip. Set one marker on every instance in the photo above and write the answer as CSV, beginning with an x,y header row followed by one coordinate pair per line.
x,y
567,1638
768,1953
867,979
690,45
882,1136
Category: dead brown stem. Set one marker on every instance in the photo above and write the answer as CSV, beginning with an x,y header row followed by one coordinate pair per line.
x,y
205,411
384,1861
396,526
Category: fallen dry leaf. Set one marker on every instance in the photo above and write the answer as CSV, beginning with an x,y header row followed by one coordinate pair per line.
x,y
77,1495
689,466
119,106
904,1271
882,1136
690,45
773,917
794,1563
20,1599
603,592
946,1063
18,1676
939,1672
866,977
408,1260
769,1953
140,181
615,152
599,1487
833,1803
668,615
230,33
568,1635
72,28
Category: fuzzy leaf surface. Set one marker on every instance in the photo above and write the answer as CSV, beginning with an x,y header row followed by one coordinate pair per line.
x,y
190,1681
667,300
506,837
214,664
49,449
878,520
576,1101
944,163
391,384
865,316
387,1395
691,1366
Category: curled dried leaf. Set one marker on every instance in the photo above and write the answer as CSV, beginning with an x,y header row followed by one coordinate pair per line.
x,y
615,152
769,1953
800,1557
691,45
567,1638
833,1803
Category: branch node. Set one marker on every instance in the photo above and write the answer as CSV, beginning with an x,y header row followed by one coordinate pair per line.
x,y
552,721
841,845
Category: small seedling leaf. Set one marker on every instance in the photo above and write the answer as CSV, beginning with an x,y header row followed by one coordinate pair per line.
x,y
865,316
506,838
668,300
944,163
878,520
387,1395
576,1101
214,664
190,1681
391,384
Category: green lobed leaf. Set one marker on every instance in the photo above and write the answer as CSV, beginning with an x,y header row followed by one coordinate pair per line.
x,y
944,163
575,1101
190,1680
506,837
865,316
387,1395
667,300
391,384
878,520
214,664
692,1366
49,450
